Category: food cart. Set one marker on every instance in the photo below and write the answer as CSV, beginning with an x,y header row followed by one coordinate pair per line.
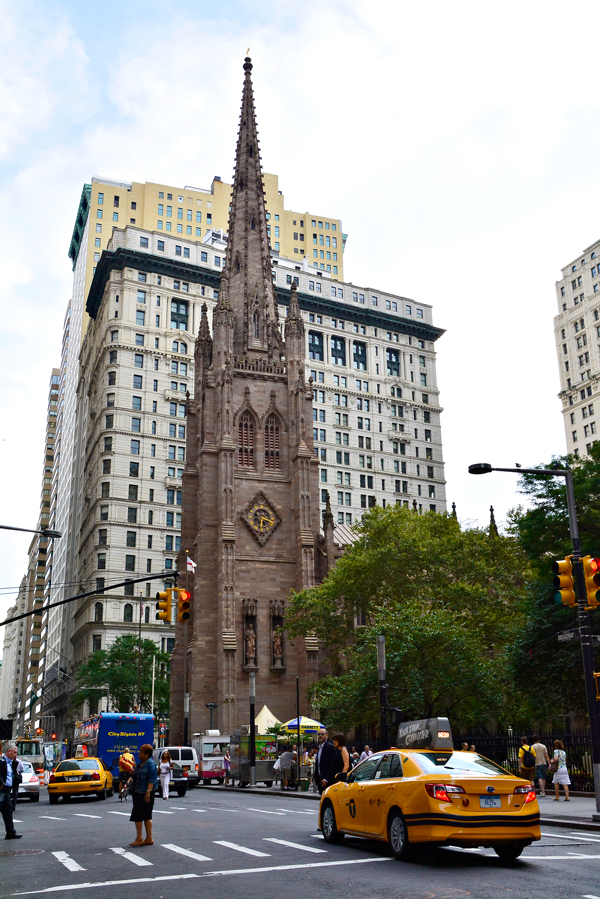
x,y
266,756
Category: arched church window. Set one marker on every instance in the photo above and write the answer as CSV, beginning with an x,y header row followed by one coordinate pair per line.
x,y
246,441
252,225
128,612
256,324
272,459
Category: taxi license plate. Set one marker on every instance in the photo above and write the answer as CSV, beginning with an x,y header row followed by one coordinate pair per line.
x,y
71,778
490,802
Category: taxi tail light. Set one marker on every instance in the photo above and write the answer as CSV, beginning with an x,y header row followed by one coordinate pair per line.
x,y
95,776
528,790
52,779
441,791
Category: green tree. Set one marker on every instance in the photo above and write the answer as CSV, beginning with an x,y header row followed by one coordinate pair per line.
x,y
118,667
550,672
450,603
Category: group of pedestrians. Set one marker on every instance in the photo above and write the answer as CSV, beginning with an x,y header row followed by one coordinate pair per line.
x,y
535,764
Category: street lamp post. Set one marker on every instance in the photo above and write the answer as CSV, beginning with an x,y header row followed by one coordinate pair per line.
x,y
211,706
252,747
584,622
381,674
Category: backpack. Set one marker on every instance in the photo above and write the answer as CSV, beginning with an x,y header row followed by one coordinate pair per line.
x,y
528,760
127,764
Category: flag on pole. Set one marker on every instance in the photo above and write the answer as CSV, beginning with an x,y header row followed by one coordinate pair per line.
x,y
191,565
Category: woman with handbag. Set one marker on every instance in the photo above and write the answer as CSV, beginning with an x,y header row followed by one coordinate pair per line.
x,y
558,766
165,768
144,783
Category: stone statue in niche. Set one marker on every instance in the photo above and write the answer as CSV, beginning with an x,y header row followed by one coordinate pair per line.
x,y
250,638
277,647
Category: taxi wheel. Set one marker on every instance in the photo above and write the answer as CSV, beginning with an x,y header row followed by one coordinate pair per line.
x,y
509,852
330,831
52,798
102,794
398,836
110,793
66,797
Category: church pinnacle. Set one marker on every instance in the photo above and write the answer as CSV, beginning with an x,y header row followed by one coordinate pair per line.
x,y
248,264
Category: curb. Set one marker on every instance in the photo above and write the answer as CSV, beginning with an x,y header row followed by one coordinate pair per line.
x,y
571,823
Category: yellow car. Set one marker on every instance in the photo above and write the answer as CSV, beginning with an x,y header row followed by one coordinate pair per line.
x,y
422,791
80,777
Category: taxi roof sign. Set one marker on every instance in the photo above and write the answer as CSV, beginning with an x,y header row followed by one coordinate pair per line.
x,y
428,733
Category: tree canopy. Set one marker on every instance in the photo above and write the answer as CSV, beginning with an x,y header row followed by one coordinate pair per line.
x,y
117,666
450,602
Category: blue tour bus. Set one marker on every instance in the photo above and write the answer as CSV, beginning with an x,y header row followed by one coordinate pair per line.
x,y
109,734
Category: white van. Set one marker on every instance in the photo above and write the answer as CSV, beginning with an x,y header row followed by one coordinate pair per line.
x,y
185,756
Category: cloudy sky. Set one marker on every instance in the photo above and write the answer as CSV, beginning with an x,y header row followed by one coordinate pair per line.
x,y
457,142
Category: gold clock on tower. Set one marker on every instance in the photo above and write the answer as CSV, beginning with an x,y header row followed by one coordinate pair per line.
x,y
261,518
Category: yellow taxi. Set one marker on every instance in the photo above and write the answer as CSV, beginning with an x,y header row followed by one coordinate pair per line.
x,y
80,777
423,791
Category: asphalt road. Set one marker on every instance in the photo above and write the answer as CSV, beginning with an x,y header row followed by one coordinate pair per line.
x,y
256,846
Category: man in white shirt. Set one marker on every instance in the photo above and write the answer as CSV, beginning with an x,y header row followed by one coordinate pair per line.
x,y
542,761
366,753
8,768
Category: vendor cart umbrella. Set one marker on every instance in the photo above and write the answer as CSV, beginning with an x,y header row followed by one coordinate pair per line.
x,y
303,725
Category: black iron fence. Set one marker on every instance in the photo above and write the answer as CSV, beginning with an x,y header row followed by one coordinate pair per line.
x,y
504,749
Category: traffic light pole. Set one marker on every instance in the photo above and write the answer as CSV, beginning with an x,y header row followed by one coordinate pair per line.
x,y
587,651
381,674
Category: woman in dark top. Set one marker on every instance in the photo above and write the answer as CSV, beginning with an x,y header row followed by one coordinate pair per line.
x,y
144,783
342,758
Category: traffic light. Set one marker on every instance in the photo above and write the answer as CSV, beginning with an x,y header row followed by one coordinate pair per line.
x,y
183,605
163,605
564,582
53,736
591,570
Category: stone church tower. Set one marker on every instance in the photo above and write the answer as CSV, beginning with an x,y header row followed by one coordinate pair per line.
x,y
250,492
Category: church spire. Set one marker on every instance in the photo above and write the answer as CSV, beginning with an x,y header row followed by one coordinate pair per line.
x,y
248,261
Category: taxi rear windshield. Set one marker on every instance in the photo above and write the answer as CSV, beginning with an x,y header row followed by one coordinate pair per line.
x,y
457,763
78,765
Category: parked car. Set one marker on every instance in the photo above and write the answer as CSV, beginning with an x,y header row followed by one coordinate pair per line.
x,y
29,788
186,756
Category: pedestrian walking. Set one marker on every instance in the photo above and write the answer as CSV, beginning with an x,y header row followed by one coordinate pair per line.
x,y
227,766
144,784
541,763
526,760
8,770
285,762
165,769
325,761
561,772
366,753
342,758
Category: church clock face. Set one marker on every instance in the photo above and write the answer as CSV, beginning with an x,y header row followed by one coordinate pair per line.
x,y
261,518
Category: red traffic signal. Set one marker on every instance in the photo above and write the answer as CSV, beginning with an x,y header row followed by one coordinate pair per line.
x,y
591,570
184,605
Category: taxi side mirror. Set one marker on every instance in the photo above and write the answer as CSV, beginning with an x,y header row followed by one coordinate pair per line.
x,y
341,777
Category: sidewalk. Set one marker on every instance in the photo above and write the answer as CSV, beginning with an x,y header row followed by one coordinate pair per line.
x,y
575,814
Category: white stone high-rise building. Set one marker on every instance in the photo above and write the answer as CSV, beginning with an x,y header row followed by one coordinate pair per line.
x,y
577,335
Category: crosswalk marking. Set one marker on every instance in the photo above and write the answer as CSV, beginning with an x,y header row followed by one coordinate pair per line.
x,y
214,809
157,811
295,811
199,811
81,815
127,814
293,845
264,811
187,852
68,862
131,856
562,836
52,818
241,848
180,808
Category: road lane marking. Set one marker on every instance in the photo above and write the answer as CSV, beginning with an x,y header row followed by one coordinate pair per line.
x,y
131,856
68,862
293,845
589,896
556,858
109,883
81,815
127,814
51,818
179,808
294,811
199,811
562,836
264,812
157,811
213,809
187,852
241,848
